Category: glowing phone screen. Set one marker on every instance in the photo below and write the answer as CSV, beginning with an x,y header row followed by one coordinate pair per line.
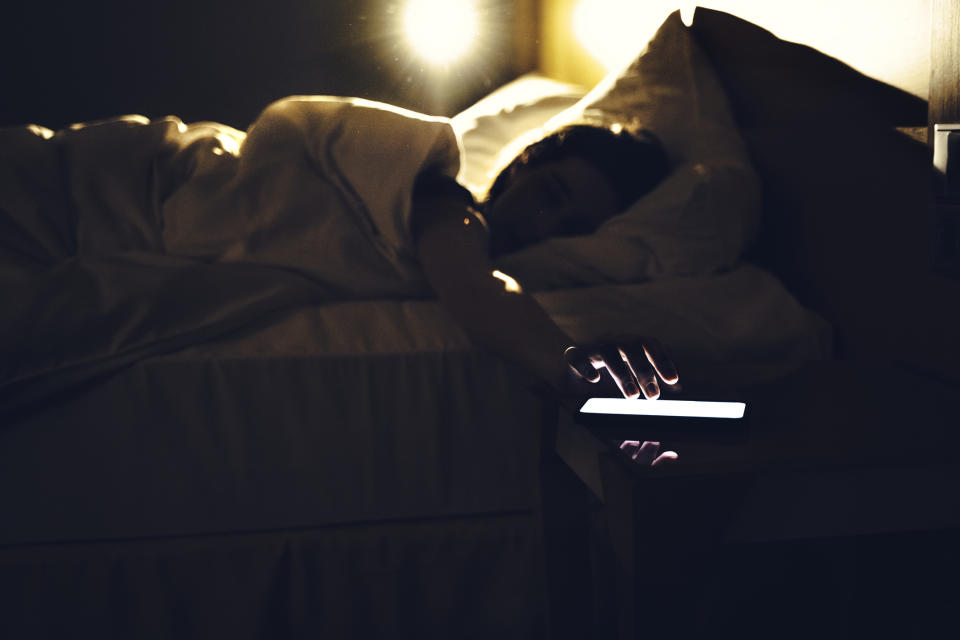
x,y
672,408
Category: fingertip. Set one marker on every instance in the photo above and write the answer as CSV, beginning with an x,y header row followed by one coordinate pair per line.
x,y
666,456
589,374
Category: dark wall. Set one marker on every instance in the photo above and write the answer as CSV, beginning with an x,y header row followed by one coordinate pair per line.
x,y
66,62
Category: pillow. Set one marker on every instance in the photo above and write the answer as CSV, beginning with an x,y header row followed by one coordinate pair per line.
x,y
772,82
504,115
795,107
697,220
846,224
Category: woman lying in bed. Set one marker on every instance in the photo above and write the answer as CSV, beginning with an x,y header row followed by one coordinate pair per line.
x,y
392,172
323,199
566,184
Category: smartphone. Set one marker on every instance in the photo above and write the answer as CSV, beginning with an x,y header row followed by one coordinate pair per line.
x,y
664,420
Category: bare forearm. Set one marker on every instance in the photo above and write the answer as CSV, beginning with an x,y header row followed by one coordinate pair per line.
x,y
498,315
489,305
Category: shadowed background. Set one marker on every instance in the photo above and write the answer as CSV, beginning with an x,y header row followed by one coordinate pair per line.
x,y
216,60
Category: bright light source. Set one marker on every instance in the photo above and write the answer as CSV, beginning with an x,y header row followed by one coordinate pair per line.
x,y
614,31
440,30
677,408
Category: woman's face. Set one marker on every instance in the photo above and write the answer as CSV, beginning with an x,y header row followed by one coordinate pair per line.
x,y
566,197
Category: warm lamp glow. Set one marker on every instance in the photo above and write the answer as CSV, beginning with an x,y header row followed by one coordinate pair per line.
x,y
441,31
614,31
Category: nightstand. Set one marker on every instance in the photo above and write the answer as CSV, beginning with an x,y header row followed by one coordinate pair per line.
x,y
834,461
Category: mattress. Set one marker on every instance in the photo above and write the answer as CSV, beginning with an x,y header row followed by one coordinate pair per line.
x,y
353,470
265,431
344,413
348,470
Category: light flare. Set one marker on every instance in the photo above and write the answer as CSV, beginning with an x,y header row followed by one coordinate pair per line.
x,y
441,31
614,31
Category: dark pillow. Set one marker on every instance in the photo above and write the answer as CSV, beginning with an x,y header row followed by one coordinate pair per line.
x,y
770,81
846,198
816,130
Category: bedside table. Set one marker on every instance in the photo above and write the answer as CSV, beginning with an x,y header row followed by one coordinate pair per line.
x,y
833,457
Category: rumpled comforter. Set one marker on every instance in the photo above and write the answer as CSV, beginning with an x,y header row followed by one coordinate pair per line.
x,y
130,238
127,238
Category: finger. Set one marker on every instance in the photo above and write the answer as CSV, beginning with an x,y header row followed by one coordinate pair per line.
x,y
630,447
579,360
644,374
646,453
613,360
665,458
657,356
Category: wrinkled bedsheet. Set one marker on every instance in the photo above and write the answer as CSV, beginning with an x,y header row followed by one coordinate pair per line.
x,y
128,237
90,283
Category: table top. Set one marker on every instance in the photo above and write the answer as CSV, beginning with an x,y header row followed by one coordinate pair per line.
x,y
832,414
834,448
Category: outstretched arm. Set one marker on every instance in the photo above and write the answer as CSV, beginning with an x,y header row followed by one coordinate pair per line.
x,y
489,305
496,313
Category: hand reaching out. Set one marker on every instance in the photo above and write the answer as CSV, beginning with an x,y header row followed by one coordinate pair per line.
x,y
645,453
634,364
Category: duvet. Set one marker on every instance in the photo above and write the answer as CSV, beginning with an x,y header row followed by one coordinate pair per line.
x,y
128,237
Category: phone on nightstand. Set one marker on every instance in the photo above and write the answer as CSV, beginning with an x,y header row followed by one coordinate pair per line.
x,y
664,420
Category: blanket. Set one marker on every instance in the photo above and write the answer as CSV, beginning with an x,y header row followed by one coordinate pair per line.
x,y
126,238
129,238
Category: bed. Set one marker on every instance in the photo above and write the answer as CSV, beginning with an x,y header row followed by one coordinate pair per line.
x,y
358,469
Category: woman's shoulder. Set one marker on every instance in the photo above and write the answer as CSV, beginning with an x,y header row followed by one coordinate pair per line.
x,y
437,196
314,106
317,118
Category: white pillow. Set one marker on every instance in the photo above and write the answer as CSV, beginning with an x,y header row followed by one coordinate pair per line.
x,y
508,113
700,217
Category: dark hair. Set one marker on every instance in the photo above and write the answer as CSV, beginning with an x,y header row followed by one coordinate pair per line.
x,y
633,162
